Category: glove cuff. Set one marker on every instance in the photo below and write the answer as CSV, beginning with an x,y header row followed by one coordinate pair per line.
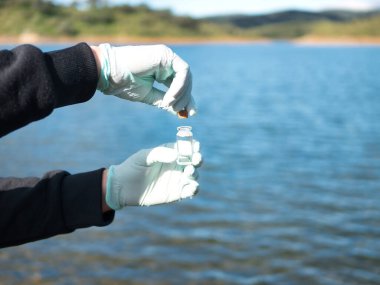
x,y
105,67
112,193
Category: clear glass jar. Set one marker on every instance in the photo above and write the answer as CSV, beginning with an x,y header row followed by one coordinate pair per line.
x,y
184,145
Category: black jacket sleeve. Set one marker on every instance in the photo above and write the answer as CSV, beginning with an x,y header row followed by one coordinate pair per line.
x,y
33,209
32,84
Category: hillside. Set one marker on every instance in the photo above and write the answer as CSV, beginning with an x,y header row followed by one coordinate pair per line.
x,y
294,24
45,19
250,21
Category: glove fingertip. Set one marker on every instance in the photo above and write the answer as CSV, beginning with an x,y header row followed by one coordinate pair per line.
x,y
190,190
189,170
196,159
192,112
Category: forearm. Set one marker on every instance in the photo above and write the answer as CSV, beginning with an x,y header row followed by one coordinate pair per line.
x,y
33,83
33,208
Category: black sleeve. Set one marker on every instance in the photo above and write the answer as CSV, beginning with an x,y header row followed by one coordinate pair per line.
x,y
33,209
33,83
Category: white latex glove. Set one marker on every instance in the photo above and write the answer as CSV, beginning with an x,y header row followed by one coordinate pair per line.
x,y
152,176
129,72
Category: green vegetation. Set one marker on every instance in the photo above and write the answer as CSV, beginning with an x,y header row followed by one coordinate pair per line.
x,y
295,24
45,18
369,27
48,19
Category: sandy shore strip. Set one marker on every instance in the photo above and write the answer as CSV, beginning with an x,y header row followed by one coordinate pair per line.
x,y
313,40
309,40
37,39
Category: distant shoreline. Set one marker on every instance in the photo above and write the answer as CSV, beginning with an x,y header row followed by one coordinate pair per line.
x,y
313,40
309,40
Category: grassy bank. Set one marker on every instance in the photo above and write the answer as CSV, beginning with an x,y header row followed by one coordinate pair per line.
x,y
43,21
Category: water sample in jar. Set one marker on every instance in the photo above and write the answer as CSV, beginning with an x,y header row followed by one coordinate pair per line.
x,y
184,145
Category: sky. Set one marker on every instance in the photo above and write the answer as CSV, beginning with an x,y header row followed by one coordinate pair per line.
x,y
201,8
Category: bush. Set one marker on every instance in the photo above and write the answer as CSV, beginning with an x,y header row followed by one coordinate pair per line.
x,y
66,28
101,17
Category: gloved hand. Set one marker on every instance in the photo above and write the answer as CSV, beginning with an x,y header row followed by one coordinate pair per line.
x,y
129,72
152,176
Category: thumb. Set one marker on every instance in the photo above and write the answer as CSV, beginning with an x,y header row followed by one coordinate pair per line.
x,y
154,97
161,154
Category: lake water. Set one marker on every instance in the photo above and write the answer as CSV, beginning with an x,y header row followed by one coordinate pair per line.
x,y
290,186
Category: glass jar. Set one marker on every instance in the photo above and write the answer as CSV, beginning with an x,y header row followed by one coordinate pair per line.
x,y
184,145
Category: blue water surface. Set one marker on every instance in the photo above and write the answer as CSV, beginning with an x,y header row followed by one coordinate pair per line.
x,y
290,185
